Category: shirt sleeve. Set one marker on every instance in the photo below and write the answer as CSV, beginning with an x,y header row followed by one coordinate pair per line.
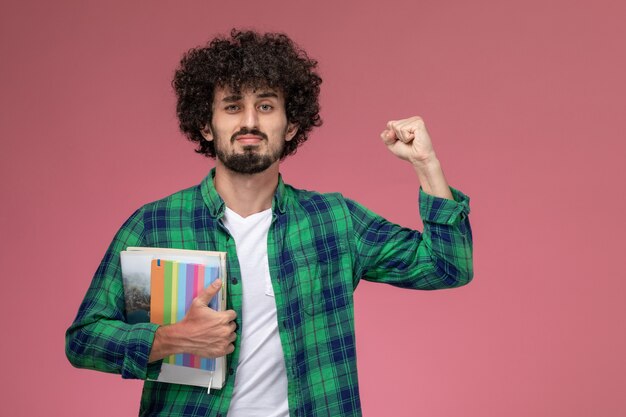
x,y
99,338
439,257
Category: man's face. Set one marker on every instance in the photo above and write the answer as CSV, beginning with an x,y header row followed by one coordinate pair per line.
x,y
249,129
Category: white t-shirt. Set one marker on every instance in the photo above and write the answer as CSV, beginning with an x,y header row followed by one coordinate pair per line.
x,y
261,379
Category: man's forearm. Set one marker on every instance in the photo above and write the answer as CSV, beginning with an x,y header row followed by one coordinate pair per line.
x,y
432,179
164,343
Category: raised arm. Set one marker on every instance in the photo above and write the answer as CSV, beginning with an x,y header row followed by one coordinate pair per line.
x,y
438,257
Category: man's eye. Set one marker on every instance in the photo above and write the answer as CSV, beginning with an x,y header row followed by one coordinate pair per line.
x,y
265,107
232,108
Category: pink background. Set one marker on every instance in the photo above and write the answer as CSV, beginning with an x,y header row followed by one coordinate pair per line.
x,y
524,100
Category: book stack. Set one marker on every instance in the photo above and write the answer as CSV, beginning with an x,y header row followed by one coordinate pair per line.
x,y
159,285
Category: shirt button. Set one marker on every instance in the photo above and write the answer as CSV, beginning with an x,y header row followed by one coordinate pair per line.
x,y
234,280
285,323
231,371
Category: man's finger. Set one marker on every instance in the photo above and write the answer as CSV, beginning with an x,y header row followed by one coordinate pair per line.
x,y
405,136
229,316
388,137
209,292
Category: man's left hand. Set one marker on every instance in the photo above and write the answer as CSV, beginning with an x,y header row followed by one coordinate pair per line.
x,y
408,139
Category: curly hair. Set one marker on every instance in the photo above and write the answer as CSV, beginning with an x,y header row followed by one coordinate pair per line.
x,y
245,60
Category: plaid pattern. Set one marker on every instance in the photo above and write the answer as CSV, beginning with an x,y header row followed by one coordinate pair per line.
x,y
319,247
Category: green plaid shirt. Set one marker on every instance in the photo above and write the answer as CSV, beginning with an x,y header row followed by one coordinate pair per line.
x,y
319,247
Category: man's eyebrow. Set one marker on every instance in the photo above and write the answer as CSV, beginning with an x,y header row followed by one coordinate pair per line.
x,y
267,94
237,97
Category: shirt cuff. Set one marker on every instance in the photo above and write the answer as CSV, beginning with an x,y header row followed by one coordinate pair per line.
x,y
441,210
138,345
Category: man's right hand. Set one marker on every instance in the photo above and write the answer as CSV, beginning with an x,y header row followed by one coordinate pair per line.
x,y
203,331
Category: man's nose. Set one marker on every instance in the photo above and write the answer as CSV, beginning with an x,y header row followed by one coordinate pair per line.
x,y
250,118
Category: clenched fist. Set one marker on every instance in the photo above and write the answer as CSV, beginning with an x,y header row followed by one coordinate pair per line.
x,y
408,139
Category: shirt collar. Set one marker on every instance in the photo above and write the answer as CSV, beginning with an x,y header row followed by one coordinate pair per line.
x,y
216,205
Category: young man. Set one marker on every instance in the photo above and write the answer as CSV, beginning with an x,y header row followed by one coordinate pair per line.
x,y
294,257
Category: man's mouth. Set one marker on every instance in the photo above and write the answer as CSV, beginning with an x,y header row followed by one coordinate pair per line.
x,y
249,139
249,136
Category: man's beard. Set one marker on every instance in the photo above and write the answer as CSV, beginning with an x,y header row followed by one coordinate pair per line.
x,y
250,161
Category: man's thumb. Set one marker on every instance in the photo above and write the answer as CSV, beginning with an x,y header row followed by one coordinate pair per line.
x,y
209,292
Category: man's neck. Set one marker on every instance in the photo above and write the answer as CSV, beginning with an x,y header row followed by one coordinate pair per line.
x,y
246,194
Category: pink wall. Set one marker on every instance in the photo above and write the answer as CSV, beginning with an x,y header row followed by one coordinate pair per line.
x,y
525,103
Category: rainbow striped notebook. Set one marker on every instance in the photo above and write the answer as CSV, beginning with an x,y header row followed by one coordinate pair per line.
x,y
159,285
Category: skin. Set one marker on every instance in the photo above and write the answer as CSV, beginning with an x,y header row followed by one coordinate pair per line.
x,y
211,334
409,140
202,331
261,109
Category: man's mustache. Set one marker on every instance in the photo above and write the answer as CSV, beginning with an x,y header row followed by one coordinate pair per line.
x,y
246,131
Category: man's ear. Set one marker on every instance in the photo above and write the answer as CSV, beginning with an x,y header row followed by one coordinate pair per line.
x,y
292,129
206,132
